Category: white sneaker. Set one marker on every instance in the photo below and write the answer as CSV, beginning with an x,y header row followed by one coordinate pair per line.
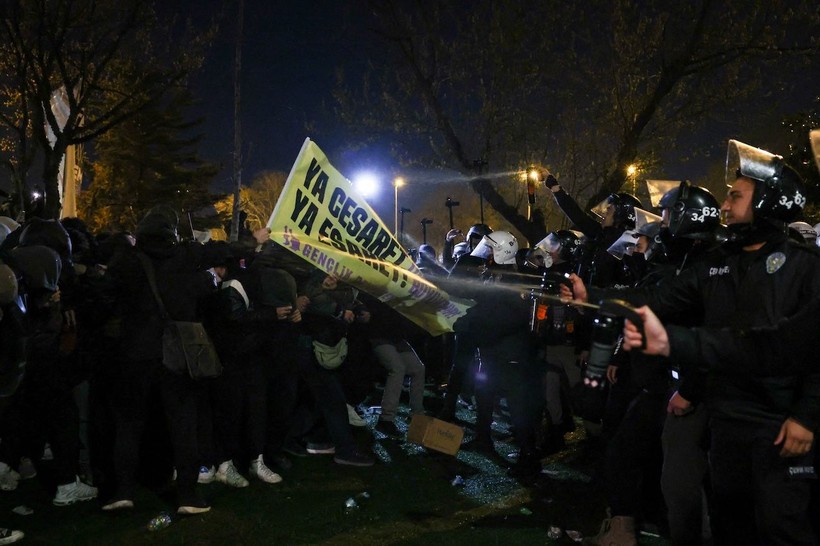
x,y
8,478
229,475
261,471
74,492
354,418
8,536
206,475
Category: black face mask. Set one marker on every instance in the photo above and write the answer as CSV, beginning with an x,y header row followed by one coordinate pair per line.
x,y
636,263
675,248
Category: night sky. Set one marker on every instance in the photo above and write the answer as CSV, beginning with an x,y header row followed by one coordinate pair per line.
x,y
290,54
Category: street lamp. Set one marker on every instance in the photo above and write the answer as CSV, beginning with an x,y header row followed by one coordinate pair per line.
x,y
366,183
397,183
631,171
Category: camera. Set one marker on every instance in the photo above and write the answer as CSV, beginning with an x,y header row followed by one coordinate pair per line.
x,y
606,338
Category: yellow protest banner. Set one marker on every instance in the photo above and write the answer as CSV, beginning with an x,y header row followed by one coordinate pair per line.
x,y
321,218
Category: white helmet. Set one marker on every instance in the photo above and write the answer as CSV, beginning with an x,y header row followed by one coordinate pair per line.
x,y
501,245
806,231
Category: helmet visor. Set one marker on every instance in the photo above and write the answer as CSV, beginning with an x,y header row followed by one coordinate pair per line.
x,y
643,217
658,188
625,244
750,161
550,243
483,250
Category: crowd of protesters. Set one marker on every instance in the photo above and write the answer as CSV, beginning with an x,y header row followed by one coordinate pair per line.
x,y
686,449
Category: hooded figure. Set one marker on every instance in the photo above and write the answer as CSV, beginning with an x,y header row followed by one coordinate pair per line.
x,y
183,282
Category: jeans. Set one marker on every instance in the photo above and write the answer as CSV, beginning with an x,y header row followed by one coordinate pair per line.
x,y
400,363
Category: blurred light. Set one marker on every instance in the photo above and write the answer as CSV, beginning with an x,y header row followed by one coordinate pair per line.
x,y
366,183
36,195
631,170
534,174
398,182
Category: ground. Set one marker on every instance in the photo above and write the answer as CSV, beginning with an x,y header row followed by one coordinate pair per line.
x,y
412,496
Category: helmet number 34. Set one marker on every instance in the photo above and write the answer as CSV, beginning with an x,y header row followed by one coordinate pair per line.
x,y
798,200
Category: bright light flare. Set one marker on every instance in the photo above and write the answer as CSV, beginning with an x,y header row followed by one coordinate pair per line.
x,y
534,175
631,170
398,182
367,184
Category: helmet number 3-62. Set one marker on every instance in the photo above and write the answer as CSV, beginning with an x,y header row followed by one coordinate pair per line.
x,y
705,212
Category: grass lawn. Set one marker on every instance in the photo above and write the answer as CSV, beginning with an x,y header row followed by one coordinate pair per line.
x,y
411,499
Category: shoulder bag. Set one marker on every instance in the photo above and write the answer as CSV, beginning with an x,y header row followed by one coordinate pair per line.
x,y
186,346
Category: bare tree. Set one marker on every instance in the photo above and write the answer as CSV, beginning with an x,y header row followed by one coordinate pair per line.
x,y
586,89
106,58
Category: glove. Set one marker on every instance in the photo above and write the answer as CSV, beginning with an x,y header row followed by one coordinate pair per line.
x,y
550,181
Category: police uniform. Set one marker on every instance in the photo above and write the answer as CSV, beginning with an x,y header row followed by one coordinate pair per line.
x,y
742,289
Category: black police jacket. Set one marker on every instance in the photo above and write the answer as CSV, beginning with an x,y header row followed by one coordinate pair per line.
x,y
744,290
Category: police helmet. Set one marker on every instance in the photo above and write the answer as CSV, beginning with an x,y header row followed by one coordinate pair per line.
x,y
502,246
779,192
624,204
695,214
565,242
460,249
669,198
805,231
426,254
477,231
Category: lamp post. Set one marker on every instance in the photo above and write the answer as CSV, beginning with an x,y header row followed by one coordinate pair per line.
x,y
532,177
397,183
402,210
479,165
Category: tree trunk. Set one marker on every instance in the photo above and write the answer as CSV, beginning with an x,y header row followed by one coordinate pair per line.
x,y
51,170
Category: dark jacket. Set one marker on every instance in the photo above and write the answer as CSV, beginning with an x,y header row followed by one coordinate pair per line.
x,y
744,290
597,266
182,280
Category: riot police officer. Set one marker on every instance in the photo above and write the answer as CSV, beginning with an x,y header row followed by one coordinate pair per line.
x,y
762,428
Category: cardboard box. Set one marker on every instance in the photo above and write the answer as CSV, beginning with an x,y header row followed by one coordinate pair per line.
x,y
435,434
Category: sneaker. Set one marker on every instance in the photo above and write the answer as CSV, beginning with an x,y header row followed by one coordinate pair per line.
x,y
121,504
7,536
195,506
320,448
354,459
206,474
261,471
294,448
354,418
389,429
26,469
74,492
229,475
8,478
